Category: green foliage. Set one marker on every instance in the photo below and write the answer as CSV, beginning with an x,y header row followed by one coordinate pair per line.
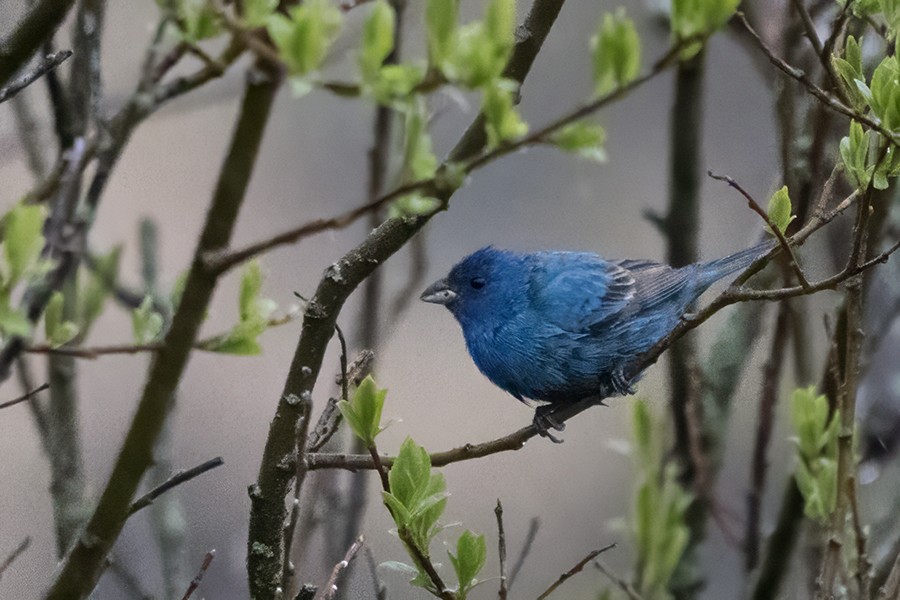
x,y
419,162
779,210
304,36
440,28
197,20
13,322
891,11
377,39
363,411
583,139
58,330
146,324
850,70
254,313
660,531
256,13
699,18
860,152
617,52
817,435
471,552
502,122
482,49
22,241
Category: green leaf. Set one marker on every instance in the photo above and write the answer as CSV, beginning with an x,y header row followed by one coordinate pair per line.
x,y
779,210
303,38
410,476
502,122
643,431
377,39
13,322
146,323
22,239
700,17
198,20
363,410
471,552
583,139
98,288
440,28
251,284
617,52
58,330
254,313
257,12
394,83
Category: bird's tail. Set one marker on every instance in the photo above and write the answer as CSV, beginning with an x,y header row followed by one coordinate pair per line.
x,y
715,270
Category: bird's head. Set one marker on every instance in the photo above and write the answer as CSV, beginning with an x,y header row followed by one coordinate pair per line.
x,y
485,284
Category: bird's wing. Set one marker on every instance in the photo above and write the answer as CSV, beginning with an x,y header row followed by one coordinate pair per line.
x,y
655,283
577,291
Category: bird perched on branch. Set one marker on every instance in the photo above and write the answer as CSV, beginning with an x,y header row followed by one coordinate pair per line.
x,y
560,327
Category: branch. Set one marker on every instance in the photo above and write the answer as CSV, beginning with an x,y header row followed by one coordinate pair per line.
x,y
195,582
38,24
20,549
623,585
533,527
773,227
501,546
26,396
331,587
83,565
50,62
574,570
176,480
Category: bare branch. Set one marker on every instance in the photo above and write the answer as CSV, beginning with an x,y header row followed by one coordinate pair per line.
x,y
621,583
501,547
176,480
40,21
26,396
20,549
195,582
533,527
47,64
574,570
330,588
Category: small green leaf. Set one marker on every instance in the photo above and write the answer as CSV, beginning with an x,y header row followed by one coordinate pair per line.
x,y
303,38
410,476
198,20
377,39
502,122
471,552
440,27
394,83
779,210
22,239
363,410
413,205
58,330
13,322
146,323
98,288
583,139
257,12
617,52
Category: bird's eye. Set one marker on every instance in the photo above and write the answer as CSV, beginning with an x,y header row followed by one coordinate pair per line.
x,y
477,283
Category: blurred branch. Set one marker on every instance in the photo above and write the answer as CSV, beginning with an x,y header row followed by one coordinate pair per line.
x,y
174,481
533,527
304,404
20,549
621,583
891,588
26,396
268,510
40,21
47,64
82,566
574,570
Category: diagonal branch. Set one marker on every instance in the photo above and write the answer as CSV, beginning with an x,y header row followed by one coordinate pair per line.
x,y
38,24
176,480
49,62
574,570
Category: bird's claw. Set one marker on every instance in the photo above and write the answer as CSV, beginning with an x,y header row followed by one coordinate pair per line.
x,y
621,384
544,421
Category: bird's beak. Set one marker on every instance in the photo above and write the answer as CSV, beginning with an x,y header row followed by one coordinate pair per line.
x,y
438,292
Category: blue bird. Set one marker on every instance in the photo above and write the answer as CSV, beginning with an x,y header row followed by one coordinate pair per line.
x,y
559,327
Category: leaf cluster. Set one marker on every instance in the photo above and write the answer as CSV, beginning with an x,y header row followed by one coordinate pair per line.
x,y
816,437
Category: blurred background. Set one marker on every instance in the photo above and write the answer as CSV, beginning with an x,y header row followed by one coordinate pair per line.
x,y
314,164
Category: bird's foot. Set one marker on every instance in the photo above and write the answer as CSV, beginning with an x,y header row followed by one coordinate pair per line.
x,y
622,385
544,421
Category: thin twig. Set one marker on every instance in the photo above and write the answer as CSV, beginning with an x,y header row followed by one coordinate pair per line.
x,y
380,590
501,547
773,227
330,419
533,526
176,480
195,582
331,587
574,570
26,396
891,588
20,549
621,583
49,62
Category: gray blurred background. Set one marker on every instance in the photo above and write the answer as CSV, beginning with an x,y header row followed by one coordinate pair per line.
x,y
313,164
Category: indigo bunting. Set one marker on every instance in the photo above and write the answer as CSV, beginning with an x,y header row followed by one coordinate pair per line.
x,y
557,327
